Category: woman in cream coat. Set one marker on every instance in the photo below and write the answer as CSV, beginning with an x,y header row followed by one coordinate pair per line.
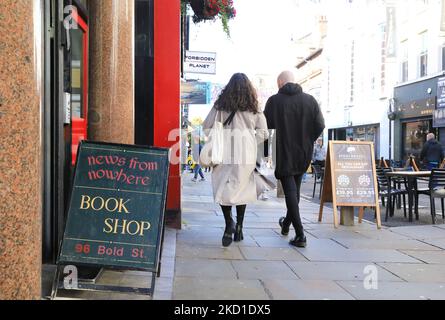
x,y
233,181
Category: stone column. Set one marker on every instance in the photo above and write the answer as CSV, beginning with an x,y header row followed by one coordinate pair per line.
x,y
20,149
111,93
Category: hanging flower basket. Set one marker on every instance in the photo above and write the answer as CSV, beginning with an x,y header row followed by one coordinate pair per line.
x,y
202,10
211,9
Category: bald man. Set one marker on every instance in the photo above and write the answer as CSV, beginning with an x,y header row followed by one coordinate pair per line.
x,y
298,122
432,152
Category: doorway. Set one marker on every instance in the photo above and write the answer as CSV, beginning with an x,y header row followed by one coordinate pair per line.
x,y
65,112
414,136
79,84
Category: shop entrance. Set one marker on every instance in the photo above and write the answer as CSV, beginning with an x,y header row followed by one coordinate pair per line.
x,y
369,133
79,84
65,111
414,136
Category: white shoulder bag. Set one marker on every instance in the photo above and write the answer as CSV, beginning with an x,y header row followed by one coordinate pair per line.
x,y
212,153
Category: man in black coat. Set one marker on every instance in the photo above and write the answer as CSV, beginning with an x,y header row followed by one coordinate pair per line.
x,y
298,121
432,152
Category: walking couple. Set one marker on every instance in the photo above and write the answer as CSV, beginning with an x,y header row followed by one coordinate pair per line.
x,y
298,122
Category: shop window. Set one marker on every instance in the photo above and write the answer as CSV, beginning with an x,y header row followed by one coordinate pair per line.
x,y
423,55
77,73
78,84
404,71
423,65
404,63
371,134
415,136
360,134
443,57
349,134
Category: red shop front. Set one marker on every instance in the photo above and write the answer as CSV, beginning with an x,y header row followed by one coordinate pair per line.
x,y
67,72
167,48
157,87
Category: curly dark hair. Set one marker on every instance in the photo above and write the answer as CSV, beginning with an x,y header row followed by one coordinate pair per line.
x,y
238,95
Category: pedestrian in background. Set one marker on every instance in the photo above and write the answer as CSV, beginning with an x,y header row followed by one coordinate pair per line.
x,y
432,152
197,170
298,121
233,181
190,161
319,155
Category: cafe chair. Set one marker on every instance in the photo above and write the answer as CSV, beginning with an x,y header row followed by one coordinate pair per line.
x,y
417,166
318,173
383,163
414,163
390,194
396,164
436,189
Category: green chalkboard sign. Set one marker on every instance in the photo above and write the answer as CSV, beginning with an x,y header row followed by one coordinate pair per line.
x,y
117,204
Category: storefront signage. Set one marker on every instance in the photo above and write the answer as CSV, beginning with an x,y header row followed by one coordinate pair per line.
x,y
441,93
418,108
350,177
439,118
391,40
200,62
195,92
116,212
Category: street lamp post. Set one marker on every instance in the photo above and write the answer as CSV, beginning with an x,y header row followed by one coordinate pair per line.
x,y
391,117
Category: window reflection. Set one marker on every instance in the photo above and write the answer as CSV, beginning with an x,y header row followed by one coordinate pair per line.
x,y
415,136
77,72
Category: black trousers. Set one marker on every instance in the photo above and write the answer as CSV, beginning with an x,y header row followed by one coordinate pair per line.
x,y
320,162
291,188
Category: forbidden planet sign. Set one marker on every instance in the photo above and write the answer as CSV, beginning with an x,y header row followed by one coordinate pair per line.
x,y
200,62
117,205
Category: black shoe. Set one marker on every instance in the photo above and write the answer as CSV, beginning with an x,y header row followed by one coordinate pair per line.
x,y
227,237
299,242
238,234
284,228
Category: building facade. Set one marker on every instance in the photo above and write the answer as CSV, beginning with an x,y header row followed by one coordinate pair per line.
x,y
420,65
310,62
380,67
358,74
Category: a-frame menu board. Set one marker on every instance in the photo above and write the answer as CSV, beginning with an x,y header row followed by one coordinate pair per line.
x,y
350,178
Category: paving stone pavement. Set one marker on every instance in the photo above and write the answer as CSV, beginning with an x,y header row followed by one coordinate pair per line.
x,y
139,279
409,260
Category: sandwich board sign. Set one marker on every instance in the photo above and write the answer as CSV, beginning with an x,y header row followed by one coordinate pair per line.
x,y
116,211
350,178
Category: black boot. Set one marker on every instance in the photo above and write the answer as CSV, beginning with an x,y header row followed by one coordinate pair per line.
x,y
240,210
230,226
299,241
238,233
284,226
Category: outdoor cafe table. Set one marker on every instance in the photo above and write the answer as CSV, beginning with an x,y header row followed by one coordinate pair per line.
x,y
411,177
